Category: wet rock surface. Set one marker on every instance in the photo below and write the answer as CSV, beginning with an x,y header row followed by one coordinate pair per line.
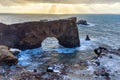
x,y
30,35
108,64
100,51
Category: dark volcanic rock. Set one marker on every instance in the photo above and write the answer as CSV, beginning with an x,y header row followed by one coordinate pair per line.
x,y
100,50
103,51
31,34
87,38
83,22
119,49
6,57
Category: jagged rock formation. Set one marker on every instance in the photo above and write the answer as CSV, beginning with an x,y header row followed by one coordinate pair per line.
x,y
31,34
100,50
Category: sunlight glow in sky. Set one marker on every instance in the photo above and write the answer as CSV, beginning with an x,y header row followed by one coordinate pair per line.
x,y
60,8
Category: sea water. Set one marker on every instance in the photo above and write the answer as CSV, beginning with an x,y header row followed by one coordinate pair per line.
x,y
104,30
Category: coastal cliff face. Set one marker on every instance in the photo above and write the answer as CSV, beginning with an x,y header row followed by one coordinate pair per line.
x,y
31,34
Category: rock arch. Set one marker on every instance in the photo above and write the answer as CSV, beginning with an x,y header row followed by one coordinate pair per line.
x,y
30,35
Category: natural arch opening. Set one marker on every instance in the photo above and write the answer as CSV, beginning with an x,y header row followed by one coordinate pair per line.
x,y
50,43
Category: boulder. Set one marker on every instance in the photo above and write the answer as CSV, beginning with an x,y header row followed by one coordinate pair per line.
x,y
83,22
102,51
30,35
6,57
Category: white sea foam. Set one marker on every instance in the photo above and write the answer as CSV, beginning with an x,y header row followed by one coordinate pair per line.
x,y
87,45
25,56
52,45
91,24
14,50
111,65
88,25
48,46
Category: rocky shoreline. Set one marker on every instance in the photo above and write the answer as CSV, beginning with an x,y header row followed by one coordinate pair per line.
x,y
88,69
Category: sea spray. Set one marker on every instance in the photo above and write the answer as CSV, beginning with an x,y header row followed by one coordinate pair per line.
x,y
108,69
25,57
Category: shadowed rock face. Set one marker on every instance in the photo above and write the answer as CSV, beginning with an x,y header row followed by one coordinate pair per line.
x,y
31,34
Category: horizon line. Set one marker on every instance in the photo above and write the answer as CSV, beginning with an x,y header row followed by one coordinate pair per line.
x,y
58,14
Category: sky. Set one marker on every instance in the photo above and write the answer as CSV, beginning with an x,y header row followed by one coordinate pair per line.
x,y
60,6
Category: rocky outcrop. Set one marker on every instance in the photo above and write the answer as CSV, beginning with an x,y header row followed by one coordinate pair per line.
x,y
87,38
31,34
83,22
6,57
100,50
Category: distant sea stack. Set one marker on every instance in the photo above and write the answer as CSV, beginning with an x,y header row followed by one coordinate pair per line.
x,y
82,22
30,35
87,38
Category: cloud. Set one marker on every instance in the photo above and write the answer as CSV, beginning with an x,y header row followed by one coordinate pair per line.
x,y
48,8
12,2
65,6
21,2
74,1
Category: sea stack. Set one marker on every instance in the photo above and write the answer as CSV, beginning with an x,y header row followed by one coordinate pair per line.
x,y
30,35
82,22
87,38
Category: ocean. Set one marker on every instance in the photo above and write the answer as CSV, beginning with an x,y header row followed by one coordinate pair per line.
x,y
104,30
